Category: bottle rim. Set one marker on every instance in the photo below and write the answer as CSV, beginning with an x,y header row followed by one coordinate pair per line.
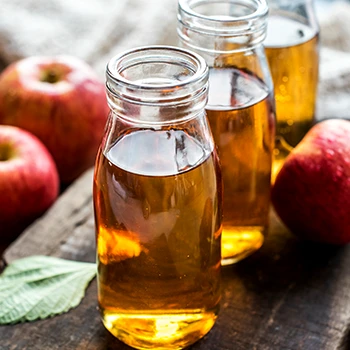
x,y
260,11
222,26
156,53
164,83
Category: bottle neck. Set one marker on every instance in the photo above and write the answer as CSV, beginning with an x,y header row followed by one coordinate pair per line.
x,y
223,27
301,11
157,85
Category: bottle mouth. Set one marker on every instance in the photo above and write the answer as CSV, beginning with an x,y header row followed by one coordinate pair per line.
x,y
157,84
225,11
156,74
238,21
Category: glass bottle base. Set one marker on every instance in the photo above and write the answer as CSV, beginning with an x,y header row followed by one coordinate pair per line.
x,y
238,242
161,330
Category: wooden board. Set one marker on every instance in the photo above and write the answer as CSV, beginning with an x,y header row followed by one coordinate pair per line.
x,y
289,295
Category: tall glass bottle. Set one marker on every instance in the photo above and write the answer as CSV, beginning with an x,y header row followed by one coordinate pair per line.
x,y
292,49
157,200
229,35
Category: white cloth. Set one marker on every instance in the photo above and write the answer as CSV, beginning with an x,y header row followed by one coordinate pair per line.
x,y
96,30
334,87
93,30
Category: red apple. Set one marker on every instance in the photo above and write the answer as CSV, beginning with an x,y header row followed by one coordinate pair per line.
x,y
29,181
311,193
61,101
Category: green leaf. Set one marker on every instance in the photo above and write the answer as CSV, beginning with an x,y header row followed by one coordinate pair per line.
x,y
38,287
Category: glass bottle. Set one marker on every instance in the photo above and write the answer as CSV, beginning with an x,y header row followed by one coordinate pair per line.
x,y
292,49
157,201
229,35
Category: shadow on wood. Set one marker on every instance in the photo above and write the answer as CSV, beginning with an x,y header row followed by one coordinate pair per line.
x,y
289,295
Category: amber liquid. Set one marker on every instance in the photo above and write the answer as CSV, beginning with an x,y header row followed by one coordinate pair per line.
x,y
158,215
242,121
292,52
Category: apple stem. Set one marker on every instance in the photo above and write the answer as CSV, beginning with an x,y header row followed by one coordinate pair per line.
x,y
50,77
6,152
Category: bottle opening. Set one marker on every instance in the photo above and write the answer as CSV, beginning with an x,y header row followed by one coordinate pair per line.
x,y
156,68
156,76
208,25
221,10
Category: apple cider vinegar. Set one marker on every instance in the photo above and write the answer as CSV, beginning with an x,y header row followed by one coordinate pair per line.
x,y
158,243
292,52
241,122
158,201
229,35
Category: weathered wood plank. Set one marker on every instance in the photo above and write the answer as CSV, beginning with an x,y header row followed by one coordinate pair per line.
x,y
66,230
289,295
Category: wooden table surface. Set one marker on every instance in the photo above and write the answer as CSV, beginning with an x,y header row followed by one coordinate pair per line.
x,y
289,295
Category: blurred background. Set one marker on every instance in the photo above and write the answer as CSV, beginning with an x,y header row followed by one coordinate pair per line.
x,y
97,29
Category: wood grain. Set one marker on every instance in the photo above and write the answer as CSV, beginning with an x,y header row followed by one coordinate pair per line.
x,y
66,230
289,295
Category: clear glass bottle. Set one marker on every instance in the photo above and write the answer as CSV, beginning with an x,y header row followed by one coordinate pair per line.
x,y
229,35
292,49
157,201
